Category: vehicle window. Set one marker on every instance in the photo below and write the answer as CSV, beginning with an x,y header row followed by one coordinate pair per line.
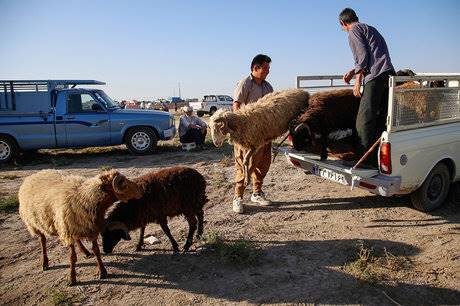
x,y
109,103
221,98
228,98
81,103
210,99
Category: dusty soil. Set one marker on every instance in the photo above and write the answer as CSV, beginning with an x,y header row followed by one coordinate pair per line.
x,y
308,242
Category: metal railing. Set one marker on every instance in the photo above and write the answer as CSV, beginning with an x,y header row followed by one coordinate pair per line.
x,y
321,82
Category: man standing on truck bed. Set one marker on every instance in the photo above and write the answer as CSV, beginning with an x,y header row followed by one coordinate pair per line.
x,y
373,63
249,90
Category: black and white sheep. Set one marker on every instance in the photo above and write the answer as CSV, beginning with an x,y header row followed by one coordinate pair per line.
x,y
71,207
327,113
167,193
257,124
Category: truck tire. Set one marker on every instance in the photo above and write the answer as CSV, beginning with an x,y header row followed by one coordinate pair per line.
x,y
8,149
141,140
455,193
200,114
434,189
212,111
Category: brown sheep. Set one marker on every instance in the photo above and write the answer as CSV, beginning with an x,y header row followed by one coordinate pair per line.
x,y
167,193
327,112
72,207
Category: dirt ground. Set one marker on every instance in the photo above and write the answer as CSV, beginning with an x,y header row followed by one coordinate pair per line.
x,y
311,244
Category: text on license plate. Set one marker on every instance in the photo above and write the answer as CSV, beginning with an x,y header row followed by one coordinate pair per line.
x,y
329,174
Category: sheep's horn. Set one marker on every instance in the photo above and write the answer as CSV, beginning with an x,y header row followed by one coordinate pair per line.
x,y
299,126
117,225
118,182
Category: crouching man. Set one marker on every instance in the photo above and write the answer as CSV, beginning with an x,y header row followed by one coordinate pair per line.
x,y
249,90
191,128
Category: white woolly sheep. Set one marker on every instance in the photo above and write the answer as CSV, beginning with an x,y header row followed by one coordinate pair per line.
x,y
258,123
73,208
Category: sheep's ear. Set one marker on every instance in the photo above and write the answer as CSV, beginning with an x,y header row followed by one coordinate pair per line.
x,y
221,127
230,127
107,176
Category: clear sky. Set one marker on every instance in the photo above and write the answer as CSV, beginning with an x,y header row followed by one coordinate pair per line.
x,y
144,49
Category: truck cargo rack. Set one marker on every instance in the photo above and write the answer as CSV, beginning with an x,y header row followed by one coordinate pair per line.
x,y
9,88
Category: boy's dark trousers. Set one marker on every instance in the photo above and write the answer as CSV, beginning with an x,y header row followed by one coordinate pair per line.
x,y
372,114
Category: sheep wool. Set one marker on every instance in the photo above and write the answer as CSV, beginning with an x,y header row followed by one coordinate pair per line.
x,y
64,205
258,123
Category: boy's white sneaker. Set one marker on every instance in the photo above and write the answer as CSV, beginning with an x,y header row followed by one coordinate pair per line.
x,y
238,205
260,198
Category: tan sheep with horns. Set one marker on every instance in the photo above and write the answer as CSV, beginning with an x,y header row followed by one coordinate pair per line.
x,y
73,208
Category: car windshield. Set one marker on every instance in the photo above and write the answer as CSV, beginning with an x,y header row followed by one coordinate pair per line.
x,y
109,103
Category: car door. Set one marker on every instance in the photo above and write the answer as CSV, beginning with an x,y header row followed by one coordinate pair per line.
x,y
86,121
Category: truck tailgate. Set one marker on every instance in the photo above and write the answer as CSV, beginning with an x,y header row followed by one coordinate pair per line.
x,y
334,170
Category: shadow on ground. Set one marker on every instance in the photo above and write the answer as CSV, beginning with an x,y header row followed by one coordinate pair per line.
x,y
288,272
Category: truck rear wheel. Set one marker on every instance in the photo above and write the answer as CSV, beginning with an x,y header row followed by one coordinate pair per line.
x,y
8,149
200,114
212,111
141,140
434,189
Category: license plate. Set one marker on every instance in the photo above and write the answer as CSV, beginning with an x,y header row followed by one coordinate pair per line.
x,y
329,174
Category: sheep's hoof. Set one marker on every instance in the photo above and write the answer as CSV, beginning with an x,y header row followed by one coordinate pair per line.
x,y
103,274
138,248
45,267
71,283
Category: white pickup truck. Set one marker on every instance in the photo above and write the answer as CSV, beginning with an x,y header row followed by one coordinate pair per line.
x,y
416,157
210,103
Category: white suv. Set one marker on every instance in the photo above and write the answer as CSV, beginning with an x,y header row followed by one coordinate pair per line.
x,y
210,103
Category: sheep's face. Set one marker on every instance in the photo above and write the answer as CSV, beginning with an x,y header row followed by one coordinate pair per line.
x,y
218,132
301,137
112,235
123,188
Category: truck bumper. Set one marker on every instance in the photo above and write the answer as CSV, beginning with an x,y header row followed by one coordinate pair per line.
x,y
169,133
333,170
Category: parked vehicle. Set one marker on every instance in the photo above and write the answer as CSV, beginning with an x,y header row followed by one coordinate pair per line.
x,y
210,103
420,157
40,114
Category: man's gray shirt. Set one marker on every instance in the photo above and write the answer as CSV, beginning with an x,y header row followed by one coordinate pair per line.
x,y
369,50
248,91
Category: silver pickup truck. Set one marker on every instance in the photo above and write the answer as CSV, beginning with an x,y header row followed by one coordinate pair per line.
x,y
210,103
416,157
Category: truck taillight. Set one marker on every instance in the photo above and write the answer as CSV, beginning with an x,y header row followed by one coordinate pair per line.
x,y
289,139
385,158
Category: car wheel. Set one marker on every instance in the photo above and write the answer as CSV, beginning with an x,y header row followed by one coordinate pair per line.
x,y
455,193
200,114
8,149
141,140
434,189
212,111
